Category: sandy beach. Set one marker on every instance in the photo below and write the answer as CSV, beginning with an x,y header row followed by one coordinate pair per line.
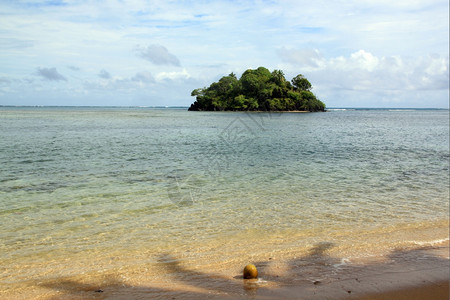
x,y
421,273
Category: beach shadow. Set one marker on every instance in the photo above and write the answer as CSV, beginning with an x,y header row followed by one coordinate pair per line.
x,y
209,284
79,290
210,281
114,288
319,250
312,272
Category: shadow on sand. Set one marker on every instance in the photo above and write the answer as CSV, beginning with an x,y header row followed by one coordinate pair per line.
x,y
315,275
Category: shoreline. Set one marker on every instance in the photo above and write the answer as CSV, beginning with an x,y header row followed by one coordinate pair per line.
x,y
421,273
418,273
260,111
407,274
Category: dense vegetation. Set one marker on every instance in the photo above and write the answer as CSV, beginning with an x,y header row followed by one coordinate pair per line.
x,y
258,90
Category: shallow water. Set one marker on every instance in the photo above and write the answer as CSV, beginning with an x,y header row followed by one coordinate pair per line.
x,y
89,191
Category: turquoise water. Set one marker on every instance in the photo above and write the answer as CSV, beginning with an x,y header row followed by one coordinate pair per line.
x,y
84,190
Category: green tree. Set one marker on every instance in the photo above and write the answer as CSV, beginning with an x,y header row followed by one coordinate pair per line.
x,y
257,89
278,77
197,92
301,83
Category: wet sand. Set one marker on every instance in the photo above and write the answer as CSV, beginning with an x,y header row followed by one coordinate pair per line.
x,y
421,273
416,274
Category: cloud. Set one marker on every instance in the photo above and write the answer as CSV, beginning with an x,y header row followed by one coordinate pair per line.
x,y
157,54
364,71
321,40
50,74
173,75
140,81
104,74
73,68
4,80
302,57
143,77
14,43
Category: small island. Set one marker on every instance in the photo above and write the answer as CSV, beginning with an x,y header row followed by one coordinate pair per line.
x,y
257,90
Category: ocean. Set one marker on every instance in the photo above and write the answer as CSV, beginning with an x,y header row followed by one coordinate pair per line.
x,y
115,194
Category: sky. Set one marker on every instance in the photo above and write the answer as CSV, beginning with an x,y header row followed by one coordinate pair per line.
x,y
356,53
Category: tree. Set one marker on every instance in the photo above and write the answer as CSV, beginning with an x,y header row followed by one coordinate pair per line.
x,y
250,83
197,92
257,89
301,83
278,77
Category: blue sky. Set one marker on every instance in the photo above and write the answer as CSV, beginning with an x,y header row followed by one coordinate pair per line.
x,y
356,53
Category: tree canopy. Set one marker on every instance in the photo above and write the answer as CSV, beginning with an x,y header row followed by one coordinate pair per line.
x,y
257,90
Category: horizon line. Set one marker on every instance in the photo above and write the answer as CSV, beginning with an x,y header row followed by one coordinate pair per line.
x,y
182,106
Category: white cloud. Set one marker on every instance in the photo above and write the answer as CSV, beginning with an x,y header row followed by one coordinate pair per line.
x,y
364,60
320,39
14,43
366,72
143,77
157,54
73,68
303,57
173,75
141,80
